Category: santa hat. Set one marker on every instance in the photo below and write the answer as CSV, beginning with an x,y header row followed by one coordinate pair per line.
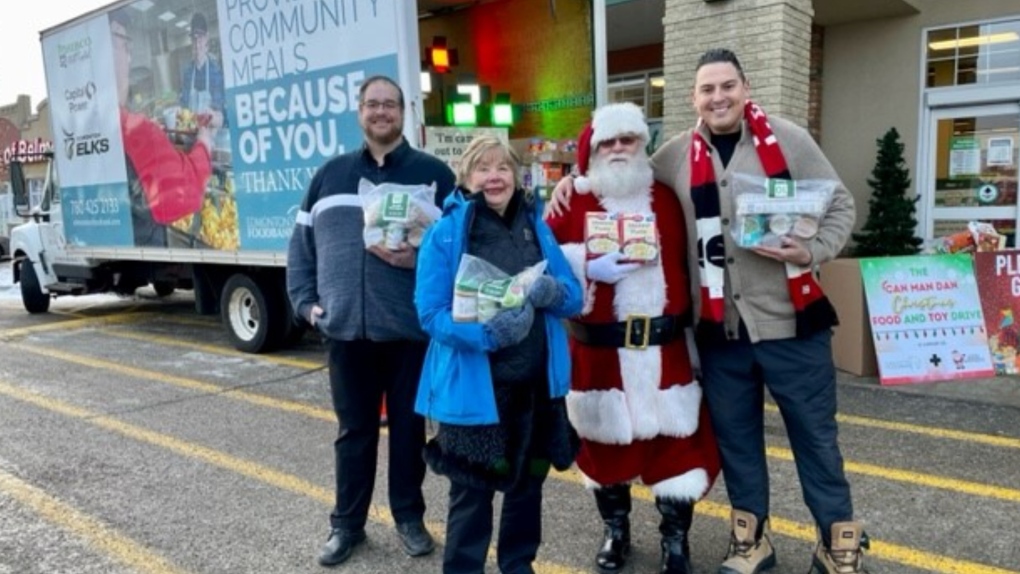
x,y
608,122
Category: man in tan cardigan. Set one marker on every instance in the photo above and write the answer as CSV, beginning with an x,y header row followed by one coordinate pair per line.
x,y
761,319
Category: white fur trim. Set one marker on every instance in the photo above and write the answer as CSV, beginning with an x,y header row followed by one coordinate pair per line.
x,y
612,417
577,256
678,409
582,185
643,292
614,120
600,416
691,485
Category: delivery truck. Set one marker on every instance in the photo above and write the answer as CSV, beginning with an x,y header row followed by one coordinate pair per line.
x,y
185,135
186,132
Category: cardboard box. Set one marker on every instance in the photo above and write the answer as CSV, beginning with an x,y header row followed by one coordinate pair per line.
x,y
853,349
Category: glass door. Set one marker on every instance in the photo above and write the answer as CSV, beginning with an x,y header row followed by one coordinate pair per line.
x,y
974,154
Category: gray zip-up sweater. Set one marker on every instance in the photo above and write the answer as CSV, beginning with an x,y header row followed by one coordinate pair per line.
x,y
363,296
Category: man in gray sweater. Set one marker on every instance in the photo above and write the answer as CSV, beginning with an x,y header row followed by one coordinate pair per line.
x,y
762,320
362,302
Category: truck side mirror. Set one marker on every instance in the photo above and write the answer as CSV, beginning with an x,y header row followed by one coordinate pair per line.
x,y
19,190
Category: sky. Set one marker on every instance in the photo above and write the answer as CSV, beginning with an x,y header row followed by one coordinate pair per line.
x,y
21,66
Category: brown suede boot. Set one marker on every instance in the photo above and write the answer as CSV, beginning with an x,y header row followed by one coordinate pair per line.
x,y
747,555
845,556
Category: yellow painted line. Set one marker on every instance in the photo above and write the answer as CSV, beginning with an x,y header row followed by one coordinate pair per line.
x,y
83,323
896,553
250,469
183,382
914,478
98,534
934,432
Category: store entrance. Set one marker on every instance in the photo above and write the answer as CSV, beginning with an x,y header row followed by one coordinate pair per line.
x,y
973,158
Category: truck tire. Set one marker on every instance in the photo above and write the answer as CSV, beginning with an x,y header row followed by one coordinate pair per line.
x,y
164,288
32,297
253,314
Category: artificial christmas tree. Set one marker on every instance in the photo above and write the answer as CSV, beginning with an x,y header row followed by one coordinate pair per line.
x,y
891,226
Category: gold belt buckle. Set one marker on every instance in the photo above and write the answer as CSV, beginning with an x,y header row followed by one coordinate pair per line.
x,y
645,321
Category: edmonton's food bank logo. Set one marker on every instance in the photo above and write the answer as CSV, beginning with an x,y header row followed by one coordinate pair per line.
x,y
78,98
88,144
75,51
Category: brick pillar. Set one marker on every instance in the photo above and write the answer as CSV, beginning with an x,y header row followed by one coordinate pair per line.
x,y
772,39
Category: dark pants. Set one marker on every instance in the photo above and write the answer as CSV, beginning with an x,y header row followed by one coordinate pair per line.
x,y
469,528
801,378
360,373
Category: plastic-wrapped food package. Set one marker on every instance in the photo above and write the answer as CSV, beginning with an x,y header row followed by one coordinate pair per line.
x,y
768,209
481,290
396,214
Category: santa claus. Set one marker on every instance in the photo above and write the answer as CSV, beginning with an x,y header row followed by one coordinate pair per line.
x,y
633,400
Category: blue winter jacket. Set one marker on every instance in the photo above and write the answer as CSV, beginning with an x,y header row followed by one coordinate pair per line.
x,y
456,383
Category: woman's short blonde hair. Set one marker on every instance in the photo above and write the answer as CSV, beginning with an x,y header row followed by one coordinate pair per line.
x,y
477,149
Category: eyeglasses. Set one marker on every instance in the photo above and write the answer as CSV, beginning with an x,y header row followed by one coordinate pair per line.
x,y
624,141
388,105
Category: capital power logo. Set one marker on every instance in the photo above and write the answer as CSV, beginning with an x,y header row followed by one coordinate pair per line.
x,y
74,52
84,145
79,98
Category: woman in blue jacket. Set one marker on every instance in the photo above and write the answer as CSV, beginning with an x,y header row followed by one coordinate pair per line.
x,y
496,389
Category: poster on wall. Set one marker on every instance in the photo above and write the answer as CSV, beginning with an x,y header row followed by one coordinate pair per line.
x,y
449,143
1000,151
926,318
964,157
998,279
200,126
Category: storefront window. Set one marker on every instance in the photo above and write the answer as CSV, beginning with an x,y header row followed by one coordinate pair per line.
x,y
975,54
645,90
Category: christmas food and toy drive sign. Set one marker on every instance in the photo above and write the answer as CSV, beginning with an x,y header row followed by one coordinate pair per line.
x,y
926,318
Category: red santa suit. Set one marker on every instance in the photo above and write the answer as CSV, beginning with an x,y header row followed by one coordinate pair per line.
x,y
638,411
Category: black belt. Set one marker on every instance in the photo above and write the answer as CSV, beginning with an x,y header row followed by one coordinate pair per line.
x,y
637,332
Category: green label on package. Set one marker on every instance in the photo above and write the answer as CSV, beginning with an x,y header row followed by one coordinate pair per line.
x,y
780,188
504,291
396,206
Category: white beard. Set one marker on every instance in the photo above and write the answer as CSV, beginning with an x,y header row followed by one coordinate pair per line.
x,y
621,180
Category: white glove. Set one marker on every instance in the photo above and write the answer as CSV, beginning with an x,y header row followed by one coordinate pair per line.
x,y
608,269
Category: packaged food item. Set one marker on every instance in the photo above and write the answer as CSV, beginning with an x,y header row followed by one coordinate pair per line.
x,y
635,235
979,236
397,214
768,209
481,290
986,238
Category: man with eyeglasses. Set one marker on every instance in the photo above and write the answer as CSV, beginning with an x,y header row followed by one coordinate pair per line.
x,y
362,302
164,183
633,400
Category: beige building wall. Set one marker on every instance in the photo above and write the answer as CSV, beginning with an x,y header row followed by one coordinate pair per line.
x,y
772,39
871,77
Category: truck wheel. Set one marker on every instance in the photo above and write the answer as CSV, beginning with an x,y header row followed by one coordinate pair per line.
x,y
164,288
32,297
252,314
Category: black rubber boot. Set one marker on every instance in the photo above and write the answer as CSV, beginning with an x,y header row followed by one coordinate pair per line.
x,y
677,516
614,507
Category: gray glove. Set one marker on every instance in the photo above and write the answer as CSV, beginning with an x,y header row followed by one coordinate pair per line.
x,y
545,292
510,326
